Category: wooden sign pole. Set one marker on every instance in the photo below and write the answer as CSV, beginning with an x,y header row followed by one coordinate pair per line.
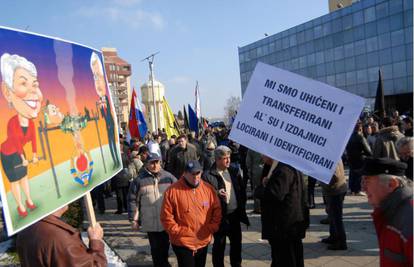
x,y
89,209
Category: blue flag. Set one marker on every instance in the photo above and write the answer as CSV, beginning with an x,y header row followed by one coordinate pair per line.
x,y
193,119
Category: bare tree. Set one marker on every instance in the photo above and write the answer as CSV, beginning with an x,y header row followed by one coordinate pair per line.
x,y
231,108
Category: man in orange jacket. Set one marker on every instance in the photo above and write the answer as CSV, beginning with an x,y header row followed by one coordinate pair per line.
x,y
190,214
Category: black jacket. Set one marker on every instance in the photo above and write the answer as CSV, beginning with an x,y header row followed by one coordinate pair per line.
x,y
214,178
284,210
357,149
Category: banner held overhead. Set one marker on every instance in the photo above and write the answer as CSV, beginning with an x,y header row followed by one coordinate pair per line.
x,y
296,120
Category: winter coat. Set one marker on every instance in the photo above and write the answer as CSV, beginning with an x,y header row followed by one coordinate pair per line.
x,y
338,184
146,194
164,146
284,206
178,158
208,159
190,215
254,163
216,180
393,222
357,149
134,167
52,242
122,178
385,143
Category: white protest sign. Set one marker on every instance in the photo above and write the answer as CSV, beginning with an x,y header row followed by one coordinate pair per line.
x,y
296,120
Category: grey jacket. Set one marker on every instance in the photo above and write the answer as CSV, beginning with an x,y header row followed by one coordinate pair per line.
x,y
146,193
385,143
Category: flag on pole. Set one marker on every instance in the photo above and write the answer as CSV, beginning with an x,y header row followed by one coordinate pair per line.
x,y
197,102
170,124
186,124
137,124
133,118
379,108
193,119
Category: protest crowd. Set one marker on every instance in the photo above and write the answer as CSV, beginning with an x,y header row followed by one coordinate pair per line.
x,y
190,190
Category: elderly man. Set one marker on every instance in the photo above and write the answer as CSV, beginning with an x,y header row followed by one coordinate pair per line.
x,y
229,185
391,195
104,105
191,214
145,199
405,152
180,155
52,242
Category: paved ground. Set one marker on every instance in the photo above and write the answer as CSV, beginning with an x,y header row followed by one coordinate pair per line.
x,y
133,247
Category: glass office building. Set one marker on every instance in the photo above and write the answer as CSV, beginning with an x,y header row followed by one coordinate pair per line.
x,y
346,48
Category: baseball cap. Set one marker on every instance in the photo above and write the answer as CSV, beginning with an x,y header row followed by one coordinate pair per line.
x,y
193,166
153,157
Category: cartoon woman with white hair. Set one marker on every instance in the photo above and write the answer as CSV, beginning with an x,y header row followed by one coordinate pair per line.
x,y
20,88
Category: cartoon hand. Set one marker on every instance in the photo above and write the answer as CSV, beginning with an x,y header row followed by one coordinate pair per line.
x,y
35,160
25,162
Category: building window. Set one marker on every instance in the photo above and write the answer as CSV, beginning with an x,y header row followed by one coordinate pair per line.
x,y
327,29
350,64
340,65
372,44
396,6
409,51
369,14
347,22
361,61
359,47
358,18
370,29
386,71
399,69
349,50
384,40
385,56
362,76
396,22
330,68
359,33
339,52
397,38
319,58
383,25
292,40
350,78
372,59
317,31
398,53
329,55
408,18
373,74
382,10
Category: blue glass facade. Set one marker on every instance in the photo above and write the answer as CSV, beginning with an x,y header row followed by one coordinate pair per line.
x,y
344,48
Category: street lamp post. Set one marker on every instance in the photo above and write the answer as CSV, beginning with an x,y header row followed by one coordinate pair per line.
x,y
150,60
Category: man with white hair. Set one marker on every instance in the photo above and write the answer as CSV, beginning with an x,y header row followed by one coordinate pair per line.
x,y
104,105
391,195
229,185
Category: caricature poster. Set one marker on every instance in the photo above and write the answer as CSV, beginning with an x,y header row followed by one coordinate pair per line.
x,y
58,128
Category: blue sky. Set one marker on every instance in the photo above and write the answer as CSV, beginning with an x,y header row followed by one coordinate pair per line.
x,y
197,40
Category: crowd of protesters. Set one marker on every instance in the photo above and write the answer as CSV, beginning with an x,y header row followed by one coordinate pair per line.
x,y
187,190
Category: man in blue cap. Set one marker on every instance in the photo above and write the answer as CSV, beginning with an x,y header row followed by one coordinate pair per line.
x,y
391,195
145,199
